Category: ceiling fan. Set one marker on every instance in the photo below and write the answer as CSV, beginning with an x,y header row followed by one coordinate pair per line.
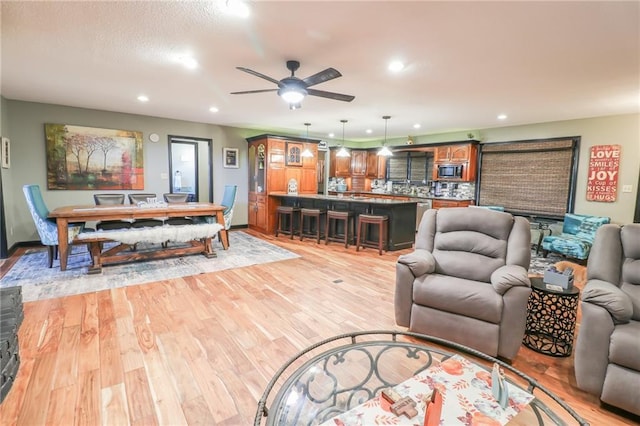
x,y
293,89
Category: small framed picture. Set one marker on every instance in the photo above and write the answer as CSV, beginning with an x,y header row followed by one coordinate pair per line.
x,y
6,153
230,157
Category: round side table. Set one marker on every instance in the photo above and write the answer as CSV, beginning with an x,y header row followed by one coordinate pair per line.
x,y
551,319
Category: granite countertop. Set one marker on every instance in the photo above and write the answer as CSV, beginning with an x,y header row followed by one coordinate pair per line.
x,y
417,197
347,196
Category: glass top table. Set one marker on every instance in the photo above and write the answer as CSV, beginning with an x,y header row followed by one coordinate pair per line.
x,y
338,374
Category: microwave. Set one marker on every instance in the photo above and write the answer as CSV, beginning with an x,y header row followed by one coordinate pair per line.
x,y
450,171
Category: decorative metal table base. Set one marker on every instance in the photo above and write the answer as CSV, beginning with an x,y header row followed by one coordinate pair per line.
x,y
551,319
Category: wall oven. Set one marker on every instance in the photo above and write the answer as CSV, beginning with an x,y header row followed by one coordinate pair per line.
x,y
450,171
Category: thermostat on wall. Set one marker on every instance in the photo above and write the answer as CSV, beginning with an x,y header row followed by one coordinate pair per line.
x,y
153,137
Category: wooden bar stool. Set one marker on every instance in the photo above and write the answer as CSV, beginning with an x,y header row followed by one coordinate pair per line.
x,y
286,216
314,216
333,216
367,220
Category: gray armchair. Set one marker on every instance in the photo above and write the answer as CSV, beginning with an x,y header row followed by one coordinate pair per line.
x,y
607,356
467,280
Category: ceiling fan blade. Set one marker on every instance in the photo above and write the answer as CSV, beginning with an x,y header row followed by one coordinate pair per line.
x,y
322,76
257,74
331,95
254,91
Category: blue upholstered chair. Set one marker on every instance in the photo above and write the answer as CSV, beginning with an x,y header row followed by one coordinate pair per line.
x,y
576,239
47,228
229,201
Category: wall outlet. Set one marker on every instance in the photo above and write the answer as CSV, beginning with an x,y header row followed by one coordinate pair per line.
x,y
11,231
627,188
164,176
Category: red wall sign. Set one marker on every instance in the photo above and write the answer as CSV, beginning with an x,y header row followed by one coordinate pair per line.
x,y
602,178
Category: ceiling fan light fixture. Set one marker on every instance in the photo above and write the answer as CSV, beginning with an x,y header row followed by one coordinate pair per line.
x,y
292,95
385,151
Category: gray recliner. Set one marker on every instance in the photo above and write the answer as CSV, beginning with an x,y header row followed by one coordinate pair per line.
x,y
607,356
467,280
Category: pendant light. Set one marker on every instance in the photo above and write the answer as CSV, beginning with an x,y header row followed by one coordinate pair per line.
x,y
342,152
385,151
307,152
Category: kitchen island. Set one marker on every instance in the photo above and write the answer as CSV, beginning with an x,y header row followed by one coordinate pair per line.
x,y
401,213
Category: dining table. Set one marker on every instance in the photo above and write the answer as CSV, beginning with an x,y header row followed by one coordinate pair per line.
x,y
86,213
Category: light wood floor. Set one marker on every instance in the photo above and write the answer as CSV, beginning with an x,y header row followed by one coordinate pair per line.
x,y
200,349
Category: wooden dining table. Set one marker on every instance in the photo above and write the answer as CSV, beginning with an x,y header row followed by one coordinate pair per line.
x,y
85,213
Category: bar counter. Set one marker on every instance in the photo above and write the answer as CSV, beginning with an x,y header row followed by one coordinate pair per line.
x,y
401,213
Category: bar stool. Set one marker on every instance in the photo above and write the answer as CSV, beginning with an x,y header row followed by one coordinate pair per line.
x,y
331,233
311,214
286,215
367,220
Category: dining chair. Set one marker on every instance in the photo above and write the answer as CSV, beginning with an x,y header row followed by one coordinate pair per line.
x,y
134,199
46,227
177,198
110,199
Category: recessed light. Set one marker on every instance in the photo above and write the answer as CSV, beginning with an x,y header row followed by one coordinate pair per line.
x,y
396,66
238,8
502,117
214,109
417,126
369,131
188,62
143,98
331,135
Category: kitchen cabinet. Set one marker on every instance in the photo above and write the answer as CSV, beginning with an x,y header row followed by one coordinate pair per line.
x,y
437,204
458,153
462,154
270,172
339,166
376,165
358,162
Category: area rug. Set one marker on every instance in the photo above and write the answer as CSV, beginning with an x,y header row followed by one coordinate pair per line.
x,y
40,282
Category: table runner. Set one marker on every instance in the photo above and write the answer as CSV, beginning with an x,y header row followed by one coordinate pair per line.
x,y
466,393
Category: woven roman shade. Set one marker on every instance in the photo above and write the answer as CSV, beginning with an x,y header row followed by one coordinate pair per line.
x,y
533,178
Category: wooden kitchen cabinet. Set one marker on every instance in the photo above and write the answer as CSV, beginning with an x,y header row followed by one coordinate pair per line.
x,y
437,204
358,162
339,166
458,153
376,165
269,172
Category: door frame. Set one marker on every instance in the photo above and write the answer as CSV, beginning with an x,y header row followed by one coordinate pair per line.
x,y
195,141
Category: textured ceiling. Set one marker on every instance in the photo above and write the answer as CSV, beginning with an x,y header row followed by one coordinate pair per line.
x,y
467,62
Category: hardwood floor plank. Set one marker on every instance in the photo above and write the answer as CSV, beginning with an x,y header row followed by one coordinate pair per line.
x,y
67,360
38,391
114,409
165,399
111,371
88,407
139,399
201,349
89,350
61,409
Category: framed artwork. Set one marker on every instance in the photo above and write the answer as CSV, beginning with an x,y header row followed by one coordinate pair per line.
x,y
230,158
93,158
294,154
6,153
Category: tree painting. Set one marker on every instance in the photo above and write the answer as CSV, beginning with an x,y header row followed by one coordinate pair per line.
x,y
92,158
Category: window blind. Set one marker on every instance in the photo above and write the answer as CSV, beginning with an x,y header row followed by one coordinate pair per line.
x,y
529,177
